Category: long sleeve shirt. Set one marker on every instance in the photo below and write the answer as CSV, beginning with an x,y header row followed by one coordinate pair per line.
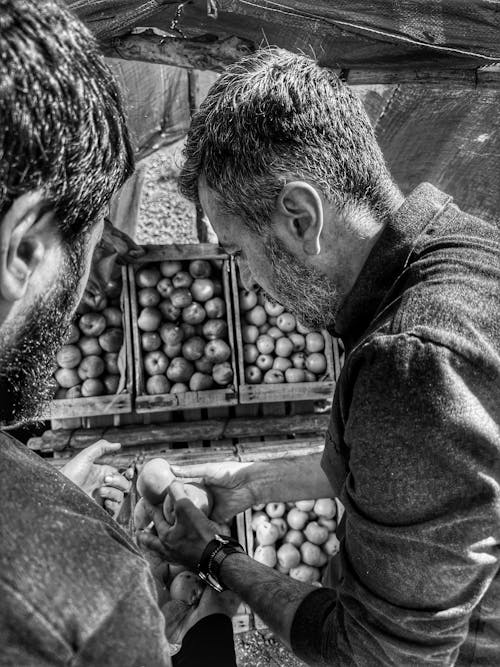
x,y
413,451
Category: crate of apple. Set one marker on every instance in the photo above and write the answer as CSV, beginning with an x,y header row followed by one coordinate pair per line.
x,y
297,538
279,358
92,364
183,337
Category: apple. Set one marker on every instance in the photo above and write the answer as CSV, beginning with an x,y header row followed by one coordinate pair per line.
x,y
295,537
274,332
93,387
302,329
296,519
286,322
113,316
187,587
314,342
282,364
305,505
180,370
330,524
264,362
295,375
247,300
222,373
69,356
111,363
111,340
92,324
325,507
192,349
188,329
258,507
305,573
157,384
147,276
182,279
181,297
273,376
150,341
148,296
200,381
265,555
200,268
155,362
249,333
202,289
284,347
91,367
111,383
74,392
265,344
257,316
217,351
217,287
170,312
204,365
154,479
281,525
149,319
253,375
272,308
257,519
214,329
178,388
316,363
312,554
264,328
89,345
169,268
298,360
165,288
331,546
298,341
172,351
200,496
194,313
171,334
266,533
73,334
215,308
309,377
275,510
272,322
288,556
250,352
315,533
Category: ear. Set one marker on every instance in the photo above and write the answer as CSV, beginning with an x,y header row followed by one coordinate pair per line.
x,y
301,205
23,243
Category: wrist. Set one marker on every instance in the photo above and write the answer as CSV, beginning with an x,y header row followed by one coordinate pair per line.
x,y
215,553
257,482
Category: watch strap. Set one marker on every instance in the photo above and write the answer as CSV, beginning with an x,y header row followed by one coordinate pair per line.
x,y
212,558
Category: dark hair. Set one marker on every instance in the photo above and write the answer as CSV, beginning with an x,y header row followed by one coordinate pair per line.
x,y
62,125
275,115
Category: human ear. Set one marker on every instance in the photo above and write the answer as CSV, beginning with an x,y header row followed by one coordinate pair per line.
x,y
23,243
301,205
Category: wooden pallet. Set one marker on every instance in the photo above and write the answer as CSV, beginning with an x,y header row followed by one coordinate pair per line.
x,y
145,403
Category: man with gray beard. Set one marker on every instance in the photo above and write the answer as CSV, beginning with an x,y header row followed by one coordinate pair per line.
x,y
283,159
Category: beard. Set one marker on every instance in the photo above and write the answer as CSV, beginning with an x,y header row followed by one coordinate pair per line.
x,y
306,293
28,349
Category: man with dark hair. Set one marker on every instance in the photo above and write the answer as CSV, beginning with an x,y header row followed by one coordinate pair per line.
x,y
286,166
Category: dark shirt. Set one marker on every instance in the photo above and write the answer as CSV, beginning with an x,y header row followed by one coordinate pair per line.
x,y
413,450
74,590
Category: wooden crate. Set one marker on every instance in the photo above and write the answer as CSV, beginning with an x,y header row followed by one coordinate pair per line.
x,y
297,391
145,403
75,409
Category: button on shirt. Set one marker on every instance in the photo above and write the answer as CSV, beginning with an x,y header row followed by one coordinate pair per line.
x,y
413,451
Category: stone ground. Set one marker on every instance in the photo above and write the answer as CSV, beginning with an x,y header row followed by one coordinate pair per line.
x,y
166,217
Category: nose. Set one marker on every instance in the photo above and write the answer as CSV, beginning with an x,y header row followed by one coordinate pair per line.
x,y
246,277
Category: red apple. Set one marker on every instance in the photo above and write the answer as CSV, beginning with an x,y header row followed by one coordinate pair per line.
x,y
315,533
150,341
92,324
315,342
111,340
204,365
182,279
286,322
248,300
298,341
200,381
188,588
69,356
222,373
295,537
265,555
215,308
217,351
256,316
91,367
250,352
170,267
296,519
113,316
202,289
193,314
180,370
265,344
111,363
249,333
147,276
288,556
264,362
181,297
169,311
149,319
154,479
147,297
89,345
298,360
316,363
275,510
275,333
253,375
272,308
282,364
165,288
157,384
200,268
172,351
295,375
171,334
93,387
284,347
156,362
214,329
192,349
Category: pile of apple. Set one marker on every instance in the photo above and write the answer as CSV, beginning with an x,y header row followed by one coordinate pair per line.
x,y
276,347
183,326
88,362
296,538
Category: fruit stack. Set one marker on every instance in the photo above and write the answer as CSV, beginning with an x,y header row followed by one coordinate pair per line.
x,y
276,347
296,538
182,326
88,362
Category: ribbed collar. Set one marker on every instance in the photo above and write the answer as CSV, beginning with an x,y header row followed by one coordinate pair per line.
x,y
386,260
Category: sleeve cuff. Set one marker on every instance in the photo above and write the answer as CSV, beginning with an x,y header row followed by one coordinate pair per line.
x,y
307,627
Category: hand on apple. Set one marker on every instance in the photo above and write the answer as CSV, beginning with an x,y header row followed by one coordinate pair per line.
x,y
102,482
228,484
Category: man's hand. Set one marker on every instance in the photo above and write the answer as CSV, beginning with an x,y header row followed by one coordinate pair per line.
x,y
102,482
185,540
229,484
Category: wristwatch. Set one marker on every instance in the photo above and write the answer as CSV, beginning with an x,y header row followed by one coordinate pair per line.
x,y
216,551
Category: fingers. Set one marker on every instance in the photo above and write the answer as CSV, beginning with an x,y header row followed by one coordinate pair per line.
x,y
100,448
151,542
111,506
111,494
176,491
118,481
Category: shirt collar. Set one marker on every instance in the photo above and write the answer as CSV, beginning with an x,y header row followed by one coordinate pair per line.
x,y
387,259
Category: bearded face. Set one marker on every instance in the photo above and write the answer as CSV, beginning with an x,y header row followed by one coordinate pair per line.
x,y
28,347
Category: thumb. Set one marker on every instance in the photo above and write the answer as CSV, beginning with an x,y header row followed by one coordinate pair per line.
x,y
100,448
177,491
